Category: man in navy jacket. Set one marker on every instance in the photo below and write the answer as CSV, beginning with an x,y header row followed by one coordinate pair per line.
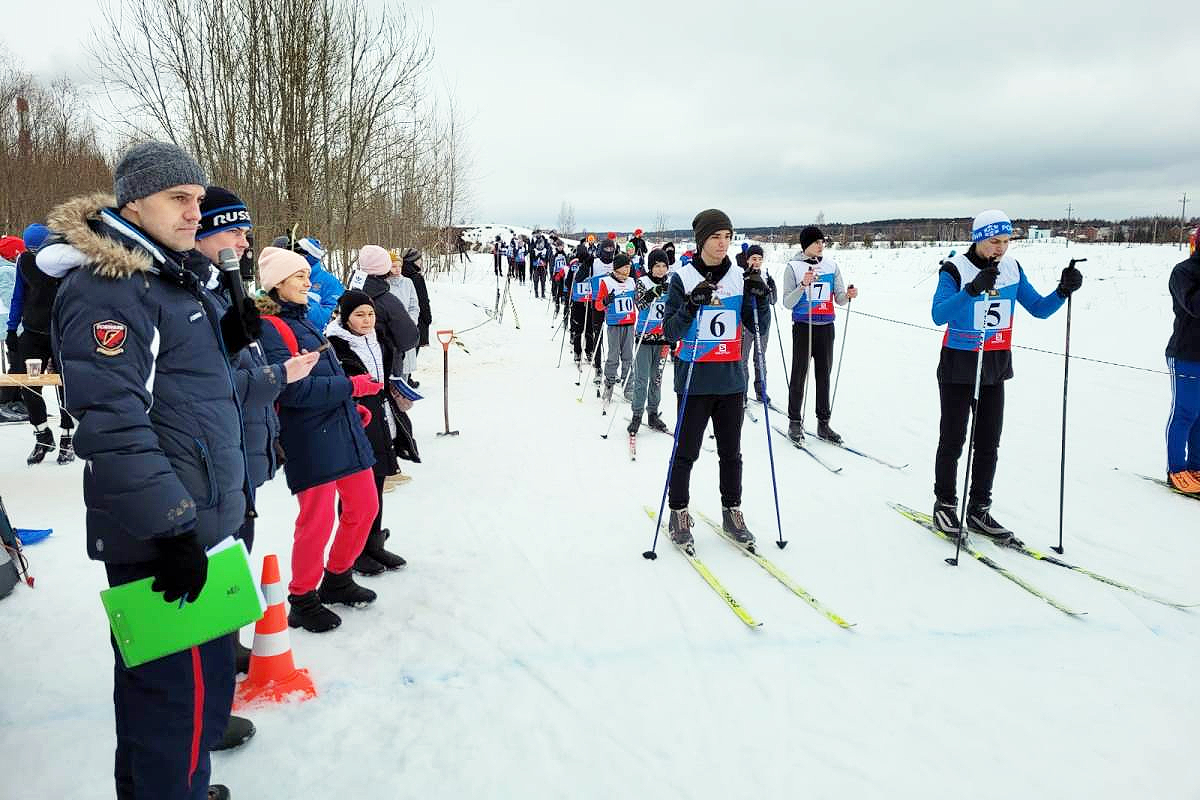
x,y
143,351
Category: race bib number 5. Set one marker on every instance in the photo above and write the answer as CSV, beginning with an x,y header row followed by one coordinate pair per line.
x,y
993,314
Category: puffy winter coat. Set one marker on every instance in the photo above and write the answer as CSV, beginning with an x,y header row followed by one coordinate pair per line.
x,y
319,428
39,292
1185,299
378,433
324,294
392,322
137,338
412,271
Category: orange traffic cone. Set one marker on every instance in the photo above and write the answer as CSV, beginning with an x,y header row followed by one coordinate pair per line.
x,y
273,675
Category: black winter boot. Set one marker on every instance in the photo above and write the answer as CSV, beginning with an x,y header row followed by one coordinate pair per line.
x,y
239,731
44,443
635,422
377,553
366,566
827,433
656,423
339,587
66,449
796,431
308,613
219,792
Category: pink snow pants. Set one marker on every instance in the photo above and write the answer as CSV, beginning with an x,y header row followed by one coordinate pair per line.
x,y
315,523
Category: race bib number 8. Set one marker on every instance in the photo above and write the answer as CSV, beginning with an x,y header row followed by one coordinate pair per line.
x,y
716,325
993,314
658,310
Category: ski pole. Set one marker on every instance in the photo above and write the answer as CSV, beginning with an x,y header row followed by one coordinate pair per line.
x,y
760,361
687,385
563,343
592,368
962,520
787,375
445,337
841,354
1062,464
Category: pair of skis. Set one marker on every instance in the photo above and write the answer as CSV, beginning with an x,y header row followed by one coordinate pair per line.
x,y
925,521
810,435
774,571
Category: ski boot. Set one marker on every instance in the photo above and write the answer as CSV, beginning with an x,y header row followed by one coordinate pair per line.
x,y
827,433
66,449
608,393
339,587
44,443
308,613
375,550
634,423
735,528
1184,481
655,422
679,528
796,432
13,412
980,520
945,518
238,731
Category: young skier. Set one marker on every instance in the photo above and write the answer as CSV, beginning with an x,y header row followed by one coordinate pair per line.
x,y
810,288
960,303
615,297
1183,359
707,304
755,347
558,280
650,357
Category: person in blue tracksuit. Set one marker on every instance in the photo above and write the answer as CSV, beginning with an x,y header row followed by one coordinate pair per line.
x,y
708,302
143,352
326,289
1183,359
976,295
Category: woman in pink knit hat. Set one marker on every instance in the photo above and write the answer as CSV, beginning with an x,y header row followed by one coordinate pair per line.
x,y
328,456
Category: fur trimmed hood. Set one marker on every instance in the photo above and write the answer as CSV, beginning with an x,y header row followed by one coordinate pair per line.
x,y
88,230
267,306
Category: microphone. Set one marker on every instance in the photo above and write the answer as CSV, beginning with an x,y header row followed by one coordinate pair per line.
x,y
231,272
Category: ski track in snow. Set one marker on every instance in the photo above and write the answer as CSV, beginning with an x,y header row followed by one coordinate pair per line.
x,y
528,650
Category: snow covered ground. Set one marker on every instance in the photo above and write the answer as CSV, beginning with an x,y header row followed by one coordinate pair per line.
x,y
530,651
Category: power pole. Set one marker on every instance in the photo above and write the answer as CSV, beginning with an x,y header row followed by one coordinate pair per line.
x,y
1182,218
1068,224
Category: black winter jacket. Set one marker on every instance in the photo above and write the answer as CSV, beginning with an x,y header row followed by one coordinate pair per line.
x,y
319,428
1185,298
413,272
392,322
40,291
137,338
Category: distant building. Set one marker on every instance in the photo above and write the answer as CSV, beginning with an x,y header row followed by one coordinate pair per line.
x,y
1037,234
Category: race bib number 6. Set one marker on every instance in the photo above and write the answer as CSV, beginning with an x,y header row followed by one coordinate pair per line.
x,y
716,325
993,314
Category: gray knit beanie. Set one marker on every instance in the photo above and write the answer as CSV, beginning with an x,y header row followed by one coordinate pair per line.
x,y
150,167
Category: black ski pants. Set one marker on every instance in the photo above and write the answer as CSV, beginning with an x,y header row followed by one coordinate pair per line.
x,y
956,413
822,356
37,345
586,324
725,411
539,282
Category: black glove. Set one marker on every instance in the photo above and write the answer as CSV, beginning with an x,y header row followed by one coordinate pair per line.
x,y
181,568
1071,280
240,329
984,281
12,345
755,285
701,294
609,299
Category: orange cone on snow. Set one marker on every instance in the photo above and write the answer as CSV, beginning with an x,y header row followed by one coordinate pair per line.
x,y
273,675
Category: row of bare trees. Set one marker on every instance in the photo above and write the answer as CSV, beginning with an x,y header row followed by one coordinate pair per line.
x,y
48,148
316,112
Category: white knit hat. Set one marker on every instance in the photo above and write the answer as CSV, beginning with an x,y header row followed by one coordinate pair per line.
x,y
992,222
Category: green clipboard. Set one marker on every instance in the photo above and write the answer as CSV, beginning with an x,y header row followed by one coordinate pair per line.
x,y
146,627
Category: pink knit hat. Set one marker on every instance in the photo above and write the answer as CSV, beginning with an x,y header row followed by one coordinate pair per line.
x,y
374,260
276,265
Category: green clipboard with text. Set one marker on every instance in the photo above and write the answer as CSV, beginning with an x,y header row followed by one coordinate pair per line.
x,y
147,627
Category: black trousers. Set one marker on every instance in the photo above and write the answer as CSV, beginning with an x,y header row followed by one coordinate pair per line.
x,y
169,713
822,356
37,345
586,325
498,266
956,410
725,411
539,282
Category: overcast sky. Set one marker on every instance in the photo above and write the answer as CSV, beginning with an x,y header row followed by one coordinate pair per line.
x,y
776,113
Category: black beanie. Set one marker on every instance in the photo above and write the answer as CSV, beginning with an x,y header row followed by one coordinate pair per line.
x,y
708,222
221,210
657,256
669,249
351,300
809,235
620,260
754,250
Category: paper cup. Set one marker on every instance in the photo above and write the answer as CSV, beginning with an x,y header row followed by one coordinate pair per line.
x,y
33,367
